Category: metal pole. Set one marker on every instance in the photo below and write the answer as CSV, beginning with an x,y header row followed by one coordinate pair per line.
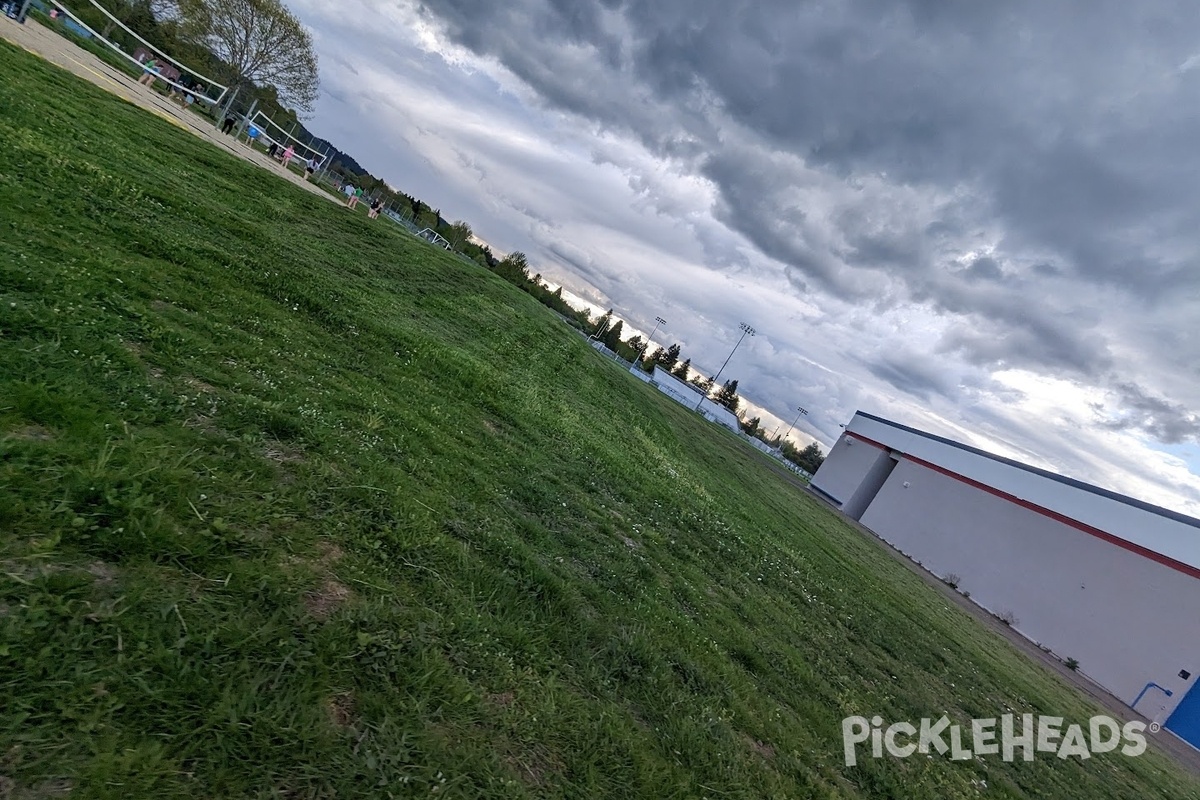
x,y
600,332
746,330
800,411
646,346
246,120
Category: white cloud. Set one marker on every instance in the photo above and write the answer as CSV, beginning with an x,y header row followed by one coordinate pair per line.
x,y
922,278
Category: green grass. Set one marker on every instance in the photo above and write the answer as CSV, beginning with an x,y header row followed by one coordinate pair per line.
x,y
295,505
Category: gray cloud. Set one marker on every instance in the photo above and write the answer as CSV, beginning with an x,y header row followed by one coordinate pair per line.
x,y
913,373
1166,421
907,199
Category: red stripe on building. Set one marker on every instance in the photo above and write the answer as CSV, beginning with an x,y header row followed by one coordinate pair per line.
x,y
1179,566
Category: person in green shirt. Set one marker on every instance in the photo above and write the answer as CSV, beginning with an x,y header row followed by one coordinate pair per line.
x,y
150,66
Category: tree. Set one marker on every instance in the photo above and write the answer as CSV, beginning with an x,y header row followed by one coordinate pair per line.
x,y
751,427
727,396
667,359
458,234
602,323
681,369
810,458
513,267
636,343
260,42
612,336
703,383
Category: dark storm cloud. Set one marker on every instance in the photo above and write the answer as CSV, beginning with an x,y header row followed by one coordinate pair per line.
x,y
1166,421
911,373
1048,115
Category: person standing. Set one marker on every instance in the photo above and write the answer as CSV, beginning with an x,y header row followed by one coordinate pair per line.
x,y
287,155
351,195
150,67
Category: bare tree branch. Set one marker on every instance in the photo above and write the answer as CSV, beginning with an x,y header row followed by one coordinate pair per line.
x,y
262,43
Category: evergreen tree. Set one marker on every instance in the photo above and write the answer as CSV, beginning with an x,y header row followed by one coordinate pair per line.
x,y
667,359
681,369
612,336
727,396
602,323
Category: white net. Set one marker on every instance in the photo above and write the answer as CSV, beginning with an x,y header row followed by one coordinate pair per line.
x,y
183,89
274,134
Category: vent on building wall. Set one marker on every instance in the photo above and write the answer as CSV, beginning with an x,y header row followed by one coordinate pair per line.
x,y
1183,673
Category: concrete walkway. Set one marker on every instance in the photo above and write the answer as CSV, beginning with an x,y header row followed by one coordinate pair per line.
x,y
40,41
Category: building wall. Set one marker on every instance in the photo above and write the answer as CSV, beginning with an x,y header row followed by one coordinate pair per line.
x,y
1157,529
845,467
1106,582
1127,619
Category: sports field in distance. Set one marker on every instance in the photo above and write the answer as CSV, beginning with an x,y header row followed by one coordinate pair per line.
x,y
294,505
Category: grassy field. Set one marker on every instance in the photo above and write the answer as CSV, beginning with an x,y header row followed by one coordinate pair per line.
x,y
295,505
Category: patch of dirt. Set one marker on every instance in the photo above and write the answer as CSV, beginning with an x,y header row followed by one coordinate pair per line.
x,y
491,427
162,305
104,573
340,708
630,543
322,602
282,454
199,385
204,424
31,433
9,790
535,766
765,750
330,554
502,699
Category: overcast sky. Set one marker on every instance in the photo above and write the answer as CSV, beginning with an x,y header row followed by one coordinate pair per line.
x,y
979,219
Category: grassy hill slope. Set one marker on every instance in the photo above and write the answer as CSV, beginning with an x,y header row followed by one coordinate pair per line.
x,y
295,505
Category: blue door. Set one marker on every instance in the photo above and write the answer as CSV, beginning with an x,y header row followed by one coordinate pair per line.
x,y
1185,719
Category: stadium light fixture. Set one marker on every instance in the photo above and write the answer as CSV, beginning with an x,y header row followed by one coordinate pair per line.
x,y
658,321
799,413
746,331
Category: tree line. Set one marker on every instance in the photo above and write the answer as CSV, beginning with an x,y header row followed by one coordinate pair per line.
x,y
609,330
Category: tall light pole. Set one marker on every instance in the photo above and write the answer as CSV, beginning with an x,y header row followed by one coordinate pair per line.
x,y
800,411
658,321
746,331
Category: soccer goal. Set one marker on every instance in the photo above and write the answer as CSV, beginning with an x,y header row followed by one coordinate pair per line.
x,y
275,134
433,237
209,83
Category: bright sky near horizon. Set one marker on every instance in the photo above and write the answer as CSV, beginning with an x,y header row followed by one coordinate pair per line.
x,y
976,219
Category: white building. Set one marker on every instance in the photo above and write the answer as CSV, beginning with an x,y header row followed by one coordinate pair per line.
x,y
1109,581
